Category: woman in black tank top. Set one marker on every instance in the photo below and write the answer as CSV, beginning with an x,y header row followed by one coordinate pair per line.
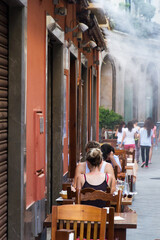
x,y
103,186
94,179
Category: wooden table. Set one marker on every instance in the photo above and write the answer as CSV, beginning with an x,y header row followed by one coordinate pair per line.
x,y
60,201
120,226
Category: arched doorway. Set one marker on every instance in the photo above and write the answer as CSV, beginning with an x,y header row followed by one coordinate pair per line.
x,y
108,83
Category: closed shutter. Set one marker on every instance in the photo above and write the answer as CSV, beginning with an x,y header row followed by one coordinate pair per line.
x,y
3,117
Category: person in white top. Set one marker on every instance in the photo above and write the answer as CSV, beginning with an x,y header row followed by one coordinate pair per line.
x,y
108,156
129,135
145,142
137,147
83,167
119,133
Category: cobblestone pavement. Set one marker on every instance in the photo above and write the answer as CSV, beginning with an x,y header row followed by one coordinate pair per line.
x,y
147,201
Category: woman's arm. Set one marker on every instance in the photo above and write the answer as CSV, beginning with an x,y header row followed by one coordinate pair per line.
x,y
115,161
139,140
136,135
110,180
80,168
80,181
116,133
109,170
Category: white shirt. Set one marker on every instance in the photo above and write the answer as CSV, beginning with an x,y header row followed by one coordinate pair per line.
x,y
119,136
129,139
117,161
144,139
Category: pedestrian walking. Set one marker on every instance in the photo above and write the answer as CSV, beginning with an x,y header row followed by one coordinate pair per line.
x,y
129,135
153,139
137,147
145,136
119,133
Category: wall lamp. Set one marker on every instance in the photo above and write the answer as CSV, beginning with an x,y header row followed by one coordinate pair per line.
x,y
91,43
83,27
86,48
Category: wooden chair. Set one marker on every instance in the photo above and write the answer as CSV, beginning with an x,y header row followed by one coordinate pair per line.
x,y
83,217
65,185
109,198
131,154
123,160
71,194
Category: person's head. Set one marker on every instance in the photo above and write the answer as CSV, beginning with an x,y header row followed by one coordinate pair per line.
x,y
121,125
130,126
148,126
92,144
94,157
106,150
150,122
135,121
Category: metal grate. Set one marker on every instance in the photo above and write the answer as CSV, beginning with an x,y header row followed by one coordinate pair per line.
x,y
3,117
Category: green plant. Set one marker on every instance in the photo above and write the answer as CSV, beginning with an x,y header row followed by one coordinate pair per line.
x,y
124,5
108,118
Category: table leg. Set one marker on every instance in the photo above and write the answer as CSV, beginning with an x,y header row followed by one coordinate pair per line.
x,y
120,234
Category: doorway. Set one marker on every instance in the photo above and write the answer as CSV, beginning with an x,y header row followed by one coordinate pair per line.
x,y
55,108
73,155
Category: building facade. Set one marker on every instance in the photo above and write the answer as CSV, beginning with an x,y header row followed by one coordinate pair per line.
x,y
130,80
49,81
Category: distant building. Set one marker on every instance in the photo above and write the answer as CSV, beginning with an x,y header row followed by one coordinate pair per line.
x,y
130,72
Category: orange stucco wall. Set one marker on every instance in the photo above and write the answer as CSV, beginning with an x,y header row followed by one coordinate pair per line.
x,y
36,75
36,32
36,78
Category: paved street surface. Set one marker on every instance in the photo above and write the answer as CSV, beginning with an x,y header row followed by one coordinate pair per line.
x,y
147,201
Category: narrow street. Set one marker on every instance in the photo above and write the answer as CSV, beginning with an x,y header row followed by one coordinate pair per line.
x,y
146,202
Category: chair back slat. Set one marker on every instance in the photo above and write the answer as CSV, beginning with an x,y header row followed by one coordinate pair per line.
x,y
95,233
81,230
88,230
61,224
67,224
110,219
75,229
102,230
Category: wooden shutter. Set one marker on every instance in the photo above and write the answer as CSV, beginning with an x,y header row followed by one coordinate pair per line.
x,y
3,117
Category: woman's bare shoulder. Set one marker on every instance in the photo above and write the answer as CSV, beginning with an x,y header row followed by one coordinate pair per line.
x,y
108,168
81,167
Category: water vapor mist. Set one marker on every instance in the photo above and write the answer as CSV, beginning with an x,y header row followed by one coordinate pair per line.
x,y
134,44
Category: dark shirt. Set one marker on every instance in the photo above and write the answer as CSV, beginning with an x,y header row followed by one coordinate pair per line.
x,y
103,187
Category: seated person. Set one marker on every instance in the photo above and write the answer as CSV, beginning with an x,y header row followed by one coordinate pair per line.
x,y
83,168
108,156
95,178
